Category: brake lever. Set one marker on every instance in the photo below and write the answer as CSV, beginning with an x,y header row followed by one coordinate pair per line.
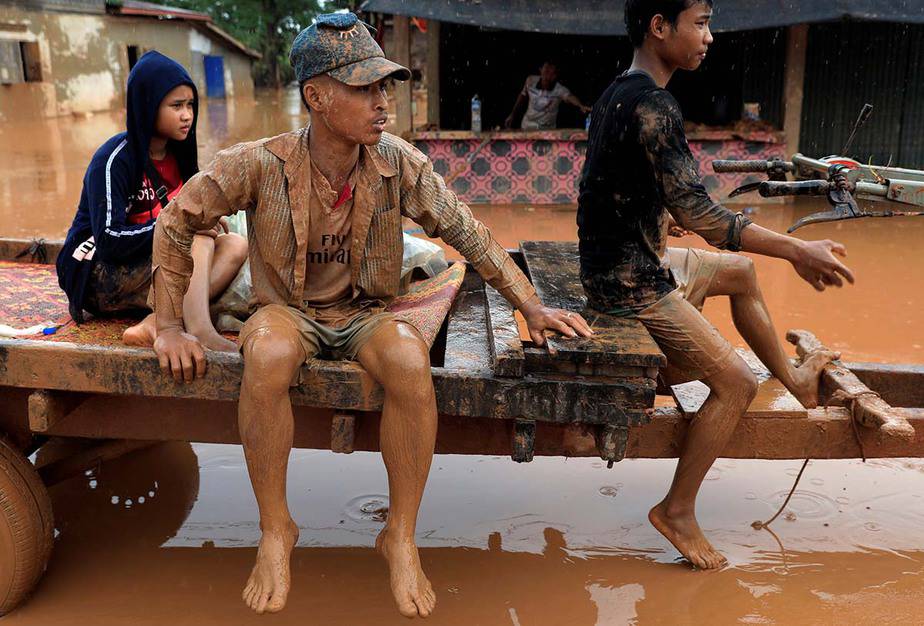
x,y
743,189
844,206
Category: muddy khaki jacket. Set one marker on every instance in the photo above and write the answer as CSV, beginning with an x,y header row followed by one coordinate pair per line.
x,y
270,179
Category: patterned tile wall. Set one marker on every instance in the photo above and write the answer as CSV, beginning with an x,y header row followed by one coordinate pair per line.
x,y
547,171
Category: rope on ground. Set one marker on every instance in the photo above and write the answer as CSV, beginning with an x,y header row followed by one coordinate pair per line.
x,y
757,525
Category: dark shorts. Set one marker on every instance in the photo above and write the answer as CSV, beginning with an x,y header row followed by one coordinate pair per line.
x,y
114,289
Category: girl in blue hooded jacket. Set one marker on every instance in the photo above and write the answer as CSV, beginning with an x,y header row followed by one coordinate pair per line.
x,y
105,265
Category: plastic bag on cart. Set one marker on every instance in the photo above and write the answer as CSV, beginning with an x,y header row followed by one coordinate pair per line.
x,y
420,254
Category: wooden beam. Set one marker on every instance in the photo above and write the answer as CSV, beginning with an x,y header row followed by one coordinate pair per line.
x,y
824,434
611,443
842,385
899,385
553,268
524,441
794,85
467,347
343,432
433,73
507,358
48,408
404,122
339,385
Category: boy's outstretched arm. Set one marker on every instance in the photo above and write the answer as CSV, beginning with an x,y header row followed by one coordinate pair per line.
x,y
814,261
426,200
221,190
661,134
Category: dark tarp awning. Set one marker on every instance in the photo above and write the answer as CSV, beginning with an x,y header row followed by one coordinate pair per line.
x,y
605,17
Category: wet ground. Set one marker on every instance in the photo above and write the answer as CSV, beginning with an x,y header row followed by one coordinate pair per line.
x,y
168,535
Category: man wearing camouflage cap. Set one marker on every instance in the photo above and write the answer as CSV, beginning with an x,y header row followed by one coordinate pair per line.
x,y
324,207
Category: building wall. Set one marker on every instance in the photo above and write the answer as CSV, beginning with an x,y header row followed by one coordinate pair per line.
x,y
849,64
84,59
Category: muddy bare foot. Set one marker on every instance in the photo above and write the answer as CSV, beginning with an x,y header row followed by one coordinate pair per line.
x,y
268,586
410,586
141,334
685,534
213,341
807,376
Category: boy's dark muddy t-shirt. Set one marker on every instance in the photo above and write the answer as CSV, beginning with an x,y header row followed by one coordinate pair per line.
x,y
638,169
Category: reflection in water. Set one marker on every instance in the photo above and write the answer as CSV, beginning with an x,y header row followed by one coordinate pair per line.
x,y
503,543
137,501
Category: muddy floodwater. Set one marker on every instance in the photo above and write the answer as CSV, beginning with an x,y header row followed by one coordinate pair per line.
x,y
168,535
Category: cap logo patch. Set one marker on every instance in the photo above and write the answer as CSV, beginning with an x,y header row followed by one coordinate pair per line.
x,y
348,34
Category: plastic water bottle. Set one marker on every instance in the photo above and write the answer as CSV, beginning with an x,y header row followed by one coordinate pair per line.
x,y
476,114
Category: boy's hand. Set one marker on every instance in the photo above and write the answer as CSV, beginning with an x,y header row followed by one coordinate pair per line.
x,y
816,264
540,318
180,354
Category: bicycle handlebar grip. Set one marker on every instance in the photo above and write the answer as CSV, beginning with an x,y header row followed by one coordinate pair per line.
x,y
773,189
722,167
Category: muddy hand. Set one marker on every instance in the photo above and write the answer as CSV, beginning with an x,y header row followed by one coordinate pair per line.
x,y
180,355
817,265
540,318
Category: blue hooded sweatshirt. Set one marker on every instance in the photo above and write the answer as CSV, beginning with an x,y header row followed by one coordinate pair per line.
x,y
114,178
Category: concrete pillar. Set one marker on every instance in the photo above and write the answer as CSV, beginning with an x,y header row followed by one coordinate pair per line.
x,y
433,73
404,122
794,85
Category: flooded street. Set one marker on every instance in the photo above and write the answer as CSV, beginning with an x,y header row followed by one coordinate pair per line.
x,y
168,535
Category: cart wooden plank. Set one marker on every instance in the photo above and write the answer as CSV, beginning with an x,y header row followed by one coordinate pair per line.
x,y
553,268
507,358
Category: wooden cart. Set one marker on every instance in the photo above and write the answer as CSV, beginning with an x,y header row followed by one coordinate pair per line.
x,y
496,395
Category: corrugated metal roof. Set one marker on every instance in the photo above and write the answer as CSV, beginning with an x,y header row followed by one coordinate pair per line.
x,y
605,17
848,65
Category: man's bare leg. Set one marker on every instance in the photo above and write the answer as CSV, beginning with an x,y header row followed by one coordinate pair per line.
x,y
215,264
265,421
738,280
399,360
731,391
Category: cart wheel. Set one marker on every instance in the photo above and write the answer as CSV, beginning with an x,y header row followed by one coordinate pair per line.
x,y
26,527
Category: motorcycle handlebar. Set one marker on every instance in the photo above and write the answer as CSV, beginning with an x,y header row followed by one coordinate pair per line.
x,y
773,189
756,167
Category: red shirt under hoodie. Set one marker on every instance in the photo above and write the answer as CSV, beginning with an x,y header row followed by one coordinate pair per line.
x,y
144,205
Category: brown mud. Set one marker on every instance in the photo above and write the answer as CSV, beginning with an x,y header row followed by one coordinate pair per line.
x,y
168,535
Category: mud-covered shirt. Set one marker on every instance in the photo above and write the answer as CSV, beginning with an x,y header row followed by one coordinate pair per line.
x,y
638,170
330,237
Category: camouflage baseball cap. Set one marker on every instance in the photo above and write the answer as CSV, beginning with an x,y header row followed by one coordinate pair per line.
x,y
340,45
